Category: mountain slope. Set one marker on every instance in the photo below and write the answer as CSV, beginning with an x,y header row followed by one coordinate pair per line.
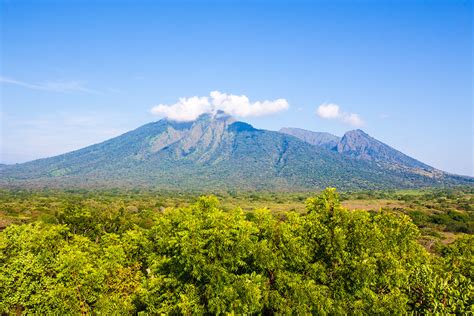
x,y
358,144
214,152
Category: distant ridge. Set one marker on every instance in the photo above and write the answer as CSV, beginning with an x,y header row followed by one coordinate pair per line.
x,y
321,139
359,145
217,152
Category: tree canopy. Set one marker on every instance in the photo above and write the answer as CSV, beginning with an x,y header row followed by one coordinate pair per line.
x,y
203,259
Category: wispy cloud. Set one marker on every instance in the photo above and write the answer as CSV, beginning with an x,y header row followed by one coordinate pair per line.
x,y
61,86
48,135
188,109
333,111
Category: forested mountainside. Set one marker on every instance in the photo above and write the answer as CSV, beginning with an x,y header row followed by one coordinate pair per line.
x,y
218,152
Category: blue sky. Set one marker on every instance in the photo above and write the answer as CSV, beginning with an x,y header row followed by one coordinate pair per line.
x,y
75,73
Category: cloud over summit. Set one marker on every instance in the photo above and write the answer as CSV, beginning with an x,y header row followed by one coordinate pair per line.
x,y
188,109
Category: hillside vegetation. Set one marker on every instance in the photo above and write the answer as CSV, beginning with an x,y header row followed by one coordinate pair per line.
x,y
114,253
216,152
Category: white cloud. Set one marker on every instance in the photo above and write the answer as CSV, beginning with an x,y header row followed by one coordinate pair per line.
x,y
188,109
328,111
333,111
51,86
353,119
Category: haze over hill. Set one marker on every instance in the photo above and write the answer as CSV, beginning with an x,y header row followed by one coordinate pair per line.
x,y
218,152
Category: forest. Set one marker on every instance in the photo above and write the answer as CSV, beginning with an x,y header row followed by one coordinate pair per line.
x,y
117,252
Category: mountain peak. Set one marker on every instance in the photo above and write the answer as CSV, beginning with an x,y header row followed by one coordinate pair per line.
x,y
356,140
356,132
219,115
358,144
204,117
224,116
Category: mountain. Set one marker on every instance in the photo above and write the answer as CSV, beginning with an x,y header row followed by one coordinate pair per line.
x,y
218,152
359,145
325,140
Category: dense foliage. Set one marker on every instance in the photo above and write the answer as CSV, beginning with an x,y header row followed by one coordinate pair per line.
x,y
203,258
